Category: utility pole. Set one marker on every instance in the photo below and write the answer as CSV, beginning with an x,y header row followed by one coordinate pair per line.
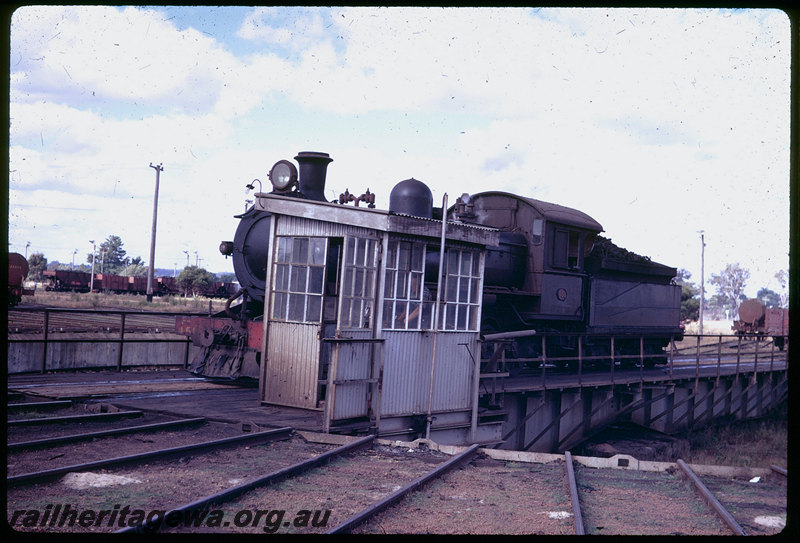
x,y
702,277
94,250
151,268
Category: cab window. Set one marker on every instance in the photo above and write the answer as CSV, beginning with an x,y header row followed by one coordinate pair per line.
x,y
566,249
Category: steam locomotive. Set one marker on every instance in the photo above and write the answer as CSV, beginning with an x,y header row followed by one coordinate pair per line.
x,y
551,273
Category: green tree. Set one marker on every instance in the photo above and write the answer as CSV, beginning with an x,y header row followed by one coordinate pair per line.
x,y
783,280
226,277
37,263
193,279
769,297
683,278
718,305
730,284
134,267
68,267
110,256
690,304
690,301
133,270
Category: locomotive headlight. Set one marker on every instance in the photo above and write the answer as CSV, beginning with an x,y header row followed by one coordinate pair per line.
x,y
283,175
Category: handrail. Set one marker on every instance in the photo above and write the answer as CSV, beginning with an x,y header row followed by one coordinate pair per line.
x,y
47,338
108,311
693,353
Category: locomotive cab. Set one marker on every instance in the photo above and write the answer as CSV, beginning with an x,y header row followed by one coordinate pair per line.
x,y
545,278
564,286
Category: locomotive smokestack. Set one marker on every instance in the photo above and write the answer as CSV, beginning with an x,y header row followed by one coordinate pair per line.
x,y
312,173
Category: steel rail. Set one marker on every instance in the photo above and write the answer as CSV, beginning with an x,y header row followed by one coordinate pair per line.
x,y
50,441
75,418
379,506
280,433
577,517
778,469
228,494
58,404
723,513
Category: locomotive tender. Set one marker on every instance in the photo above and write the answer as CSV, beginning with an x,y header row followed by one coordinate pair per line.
x,y
361,300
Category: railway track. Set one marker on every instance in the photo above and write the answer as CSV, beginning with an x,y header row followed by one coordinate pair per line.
x,y
153,472
673,502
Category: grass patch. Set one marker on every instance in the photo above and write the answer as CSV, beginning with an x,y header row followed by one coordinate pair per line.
x,y
754,443
710,327
94,300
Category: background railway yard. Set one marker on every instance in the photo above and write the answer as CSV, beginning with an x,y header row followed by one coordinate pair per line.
x,y
245,486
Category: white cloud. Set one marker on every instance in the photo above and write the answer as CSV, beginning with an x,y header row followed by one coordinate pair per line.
x,y
89,56
294,28
656,122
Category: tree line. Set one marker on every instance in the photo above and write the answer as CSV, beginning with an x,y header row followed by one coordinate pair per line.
x,y
110,258
730,284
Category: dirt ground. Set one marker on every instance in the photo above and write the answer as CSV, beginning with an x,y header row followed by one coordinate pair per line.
x,y
158,485
483,497
620,502
26,461
488,497
334,493
759,507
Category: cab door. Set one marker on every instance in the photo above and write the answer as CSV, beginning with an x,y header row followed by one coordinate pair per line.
x,y
352,383
295,321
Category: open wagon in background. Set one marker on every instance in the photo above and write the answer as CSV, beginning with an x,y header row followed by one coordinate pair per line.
x,y
67,280
757,320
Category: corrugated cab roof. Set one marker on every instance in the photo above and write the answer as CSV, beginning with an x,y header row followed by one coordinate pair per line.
x,y
553,212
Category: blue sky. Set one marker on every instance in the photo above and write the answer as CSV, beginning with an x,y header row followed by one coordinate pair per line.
x,y
656,122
